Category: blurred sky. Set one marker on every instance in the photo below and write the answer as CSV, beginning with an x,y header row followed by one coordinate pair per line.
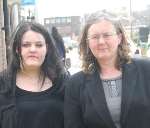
x,y
53,8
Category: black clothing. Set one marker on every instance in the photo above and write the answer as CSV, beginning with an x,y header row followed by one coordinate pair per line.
x,y
85,103
59,43
61,49
46,108
13,104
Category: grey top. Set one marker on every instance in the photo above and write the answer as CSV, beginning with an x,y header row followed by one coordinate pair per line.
x,y
112,90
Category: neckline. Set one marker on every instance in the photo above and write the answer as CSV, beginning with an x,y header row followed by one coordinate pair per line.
x,y
20,91
113,78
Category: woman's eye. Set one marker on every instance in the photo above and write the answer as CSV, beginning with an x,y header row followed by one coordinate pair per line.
x,y
94,37
25,45
39,45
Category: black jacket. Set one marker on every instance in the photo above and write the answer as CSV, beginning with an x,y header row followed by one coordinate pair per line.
x,y
86,107
8,111
7,101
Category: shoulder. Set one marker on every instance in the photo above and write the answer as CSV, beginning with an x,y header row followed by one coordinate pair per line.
x,y
77,78
59,82
5,81
142,66
3,78
76,81
142,62
75,86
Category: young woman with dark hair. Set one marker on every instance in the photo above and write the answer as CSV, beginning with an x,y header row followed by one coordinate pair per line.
x,y
31,89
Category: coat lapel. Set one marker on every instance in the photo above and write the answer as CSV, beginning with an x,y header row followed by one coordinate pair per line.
x,y
128,84
97,95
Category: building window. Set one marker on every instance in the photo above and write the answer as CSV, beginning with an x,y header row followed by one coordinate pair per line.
x,y
69,20
58,20
63,20
47,21
52,21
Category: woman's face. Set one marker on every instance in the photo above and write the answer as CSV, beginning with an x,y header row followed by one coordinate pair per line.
x,y
103,40
33,50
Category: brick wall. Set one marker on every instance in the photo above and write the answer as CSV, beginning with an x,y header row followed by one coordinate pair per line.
x,y
2,40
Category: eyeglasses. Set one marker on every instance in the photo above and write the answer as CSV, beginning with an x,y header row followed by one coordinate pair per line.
x,y
96,37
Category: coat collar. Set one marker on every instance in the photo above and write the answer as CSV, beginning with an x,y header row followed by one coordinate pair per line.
x,y
97,95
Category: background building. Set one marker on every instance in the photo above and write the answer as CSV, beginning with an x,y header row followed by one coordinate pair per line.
x,y
67,26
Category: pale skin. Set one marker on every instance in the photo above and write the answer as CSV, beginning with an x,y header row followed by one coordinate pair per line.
x,y
33,52
105,49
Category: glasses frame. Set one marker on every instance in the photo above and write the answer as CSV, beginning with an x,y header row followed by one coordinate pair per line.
x,y
105,36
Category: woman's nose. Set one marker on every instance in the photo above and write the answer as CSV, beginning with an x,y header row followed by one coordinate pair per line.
x,y
32,48
100,39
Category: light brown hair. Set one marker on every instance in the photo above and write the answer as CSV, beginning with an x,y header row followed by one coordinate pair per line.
x,y
89,62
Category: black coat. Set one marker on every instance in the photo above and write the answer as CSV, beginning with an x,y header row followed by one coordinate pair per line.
x,y
86,107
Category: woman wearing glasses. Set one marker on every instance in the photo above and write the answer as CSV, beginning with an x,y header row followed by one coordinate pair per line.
x,y
113,90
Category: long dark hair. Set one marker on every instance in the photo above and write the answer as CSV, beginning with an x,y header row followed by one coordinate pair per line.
x,y
51,66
